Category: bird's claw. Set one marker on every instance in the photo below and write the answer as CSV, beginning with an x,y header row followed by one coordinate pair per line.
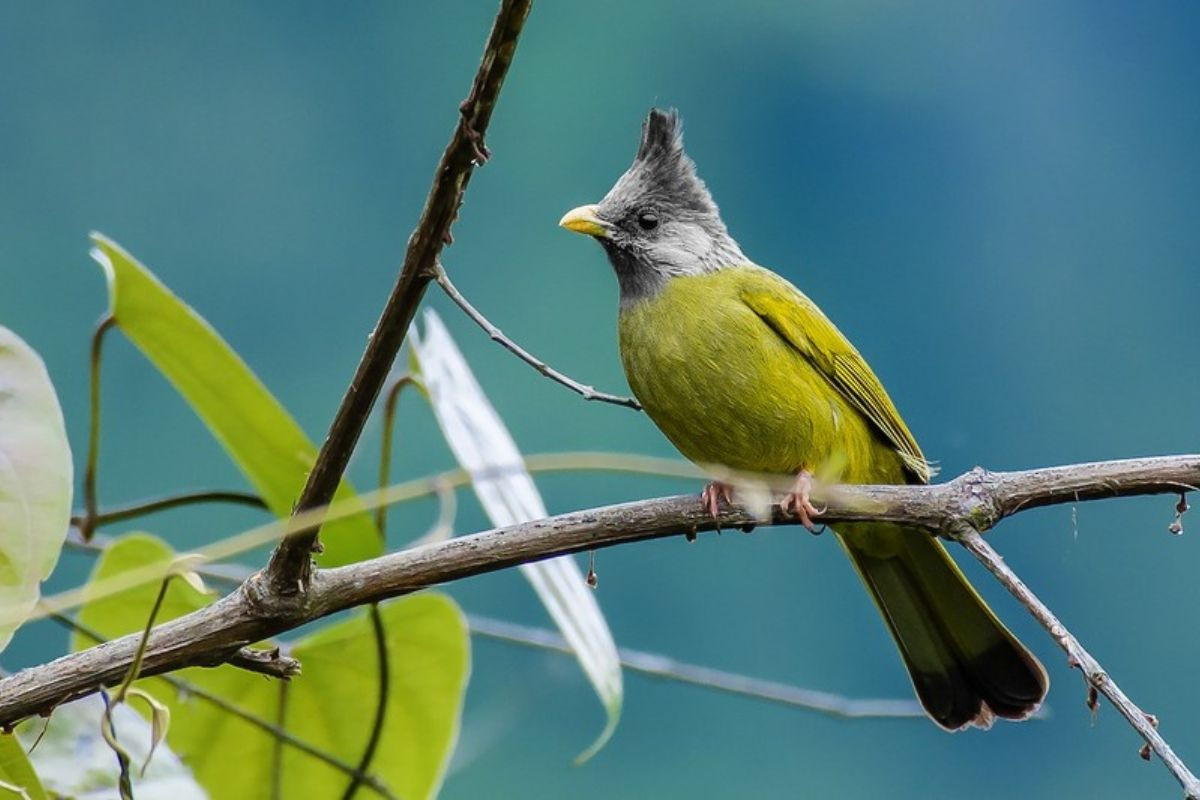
x,y
798,504
713,495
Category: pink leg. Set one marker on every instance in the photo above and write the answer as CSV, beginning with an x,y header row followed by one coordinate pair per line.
x,y
797,502
712,496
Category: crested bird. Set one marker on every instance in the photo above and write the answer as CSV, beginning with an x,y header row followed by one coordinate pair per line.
x,y
739,368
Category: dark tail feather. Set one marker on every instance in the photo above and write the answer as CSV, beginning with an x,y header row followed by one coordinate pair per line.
x,y
966,667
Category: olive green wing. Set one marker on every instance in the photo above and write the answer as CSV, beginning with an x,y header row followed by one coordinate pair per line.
x,y
799,322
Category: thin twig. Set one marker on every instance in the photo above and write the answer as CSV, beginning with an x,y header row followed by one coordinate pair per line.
x,y
976,500
277,745
661,666
136,667
385,447
141,508
497,335
291,563
1145,724
381,650
270,662
88,524
109,732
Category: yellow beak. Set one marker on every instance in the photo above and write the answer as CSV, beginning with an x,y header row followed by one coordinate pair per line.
x,y
584,220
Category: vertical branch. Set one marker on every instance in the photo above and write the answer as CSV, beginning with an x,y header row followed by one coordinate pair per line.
x,y
108,731
1098,680
277,748
385,679
364,763
385,448
140,654
291,563
87,525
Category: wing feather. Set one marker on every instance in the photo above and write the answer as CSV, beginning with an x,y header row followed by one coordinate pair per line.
x,y
799,322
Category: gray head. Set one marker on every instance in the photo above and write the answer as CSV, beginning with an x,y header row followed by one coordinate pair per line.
x,y
658,221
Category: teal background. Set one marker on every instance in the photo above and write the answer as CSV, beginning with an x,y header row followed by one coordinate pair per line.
x,y
997,203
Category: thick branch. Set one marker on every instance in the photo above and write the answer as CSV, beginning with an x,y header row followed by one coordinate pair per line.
x,y
291,562
972,502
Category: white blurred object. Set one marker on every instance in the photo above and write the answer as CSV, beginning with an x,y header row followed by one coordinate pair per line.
x,y
73,760
484,447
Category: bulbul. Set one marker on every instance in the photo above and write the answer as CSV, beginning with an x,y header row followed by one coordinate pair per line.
x,y
740,368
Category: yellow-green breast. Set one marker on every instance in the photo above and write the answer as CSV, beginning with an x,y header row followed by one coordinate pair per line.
x,y
726,389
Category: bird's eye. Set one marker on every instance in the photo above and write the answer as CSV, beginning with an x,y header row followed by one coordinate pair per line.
x,y
647,221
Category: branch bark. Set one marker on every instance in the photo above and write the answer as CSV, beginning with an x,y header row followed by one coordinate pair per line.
x,y
291,563
973,502
1145,724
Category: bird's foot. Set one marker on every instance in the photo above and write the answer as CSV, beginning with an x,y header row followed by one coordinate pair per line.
x,y
798,504
712,496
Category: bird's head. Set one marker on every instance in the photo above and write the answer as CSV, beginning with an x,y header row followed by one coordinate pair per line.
x,y
658,221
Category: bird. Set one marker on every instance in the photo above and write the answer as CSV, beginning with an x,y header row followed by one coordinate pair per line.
x,y
740,369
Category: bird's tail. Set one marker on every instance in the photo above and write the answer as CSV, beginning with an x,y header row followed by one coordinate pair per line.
x,y
966,667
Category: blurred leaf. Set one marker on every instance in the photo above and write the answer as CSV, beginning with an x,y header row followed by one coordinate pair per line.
x,y
160,722
331,706
36,479
255,430
74,760
484,447
16,773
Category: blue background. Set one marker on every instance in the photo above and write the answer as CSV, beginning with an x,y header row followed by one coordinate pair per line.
x,y
995,201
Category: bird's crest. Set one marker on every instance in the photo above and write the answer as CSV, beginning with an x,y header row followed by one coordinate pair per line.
x,y
662,135
662,170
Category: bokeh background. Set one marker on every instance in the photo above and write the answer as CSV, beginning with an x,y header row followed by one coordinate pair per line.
x,y
996,201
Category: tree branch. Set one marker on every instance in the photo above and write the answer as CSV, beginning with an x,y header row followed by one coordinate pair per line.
x,y
88,519
291,563
1145,724
141,508
544,369
660,666
270,662
385,682
973,502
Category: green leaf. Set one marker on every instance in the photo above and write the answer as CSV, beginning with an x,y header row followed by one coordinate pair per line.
x,y
428,652
330,706
16,773
485,448
35,481
257,432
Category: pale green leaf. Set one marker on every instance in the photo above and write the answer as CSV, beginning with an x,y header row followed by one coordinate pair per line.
x,y
257,432
182,567
331,705
35,480
17,777
160,722
485,448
